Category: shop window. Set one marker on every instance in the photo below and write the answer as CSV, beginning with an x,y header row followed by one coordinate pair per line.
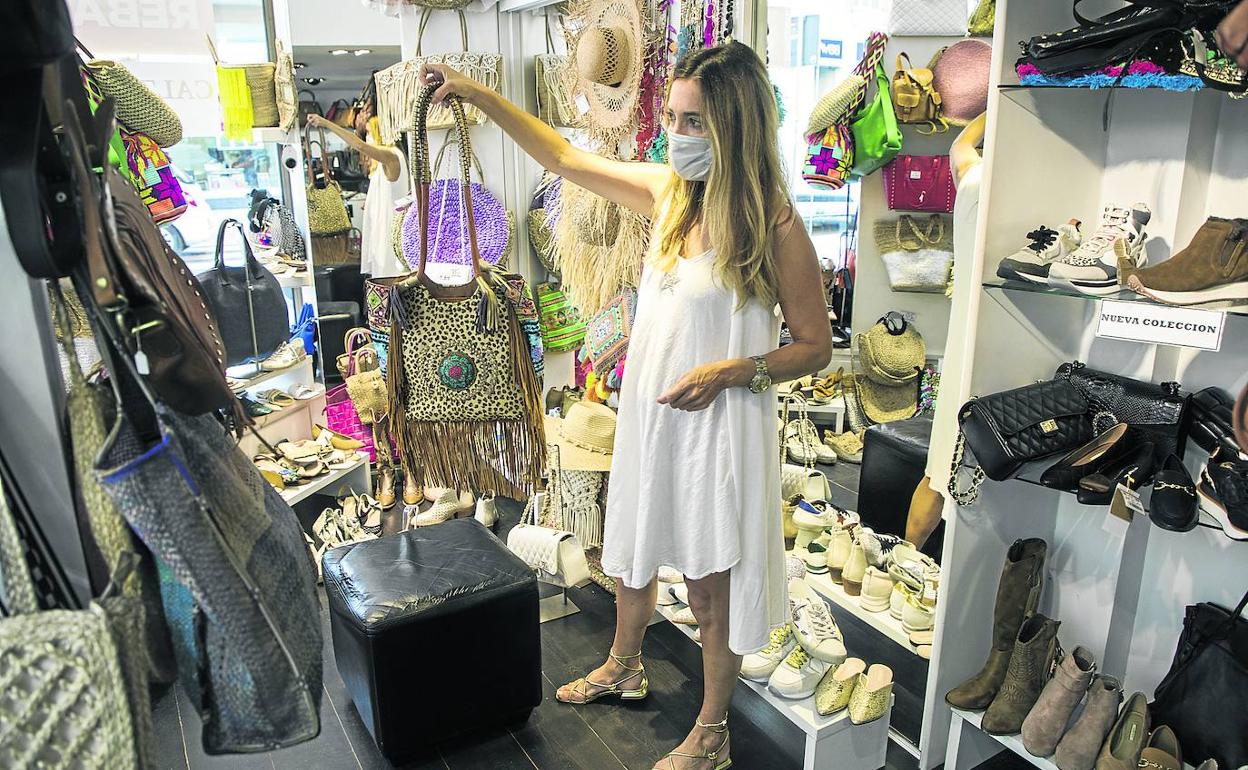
x,y
812,45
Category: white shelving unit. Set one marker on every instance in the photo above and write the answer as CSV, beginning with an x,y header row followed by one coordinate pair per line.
x,y
886,624
355,477
1118,588
831,741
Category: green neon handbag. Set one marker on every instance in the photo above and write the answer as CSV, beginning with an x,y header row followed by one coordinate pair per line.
x,y
877,136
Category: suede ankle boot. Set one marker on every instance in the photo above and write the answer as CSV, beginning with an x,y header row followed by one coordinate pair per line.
x,y
1046,723
1082,742
1035,653
1018,595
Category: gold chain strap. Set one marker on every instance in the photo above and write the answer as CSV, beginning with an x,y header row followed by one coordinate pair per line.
x,y
970,495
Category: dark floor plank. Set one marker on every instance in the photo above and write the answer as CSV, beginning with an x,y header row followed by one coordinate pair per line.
x,y
843,473
556,736
494,748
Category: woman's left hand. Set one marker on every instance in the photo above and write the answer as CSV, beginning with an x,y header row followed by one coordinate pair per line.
x,y
699,387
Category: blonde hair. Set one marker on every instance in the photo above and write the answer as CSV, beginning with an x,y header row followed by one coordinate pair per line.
x,y
741,203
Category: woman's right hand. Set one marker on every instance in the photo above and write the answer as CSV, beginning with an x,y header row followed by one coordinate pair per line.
x,y
450,81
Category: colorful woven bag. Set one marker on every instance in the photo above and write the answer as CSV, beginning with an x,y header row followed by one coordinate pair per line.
x,y
607,333
562,326
830,158
153,177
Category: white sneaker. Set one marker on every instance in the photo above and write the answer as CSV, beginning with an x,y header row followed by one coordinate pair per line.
x,y
1093,267
877,590
814,625
1046,246
906,564
801,439
794,566
758,666
897,600
669,575
287,355
818,515
839,546
917,616
815,555
798,676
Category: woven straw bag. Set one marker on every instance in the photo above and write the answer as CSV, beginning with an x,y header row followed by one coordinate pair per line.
x,y
554,101
917,257
138,107
65,703
399,85
260,81
284,91
327,213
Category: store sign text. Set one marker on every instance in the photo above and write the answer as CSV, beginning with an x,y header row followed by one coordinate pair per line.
x,y
128,28
137,14
1161,324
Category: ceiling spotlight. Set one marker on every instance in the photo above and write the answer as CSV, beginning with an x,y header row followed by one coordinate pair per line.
x,y
362,51
313,81
339,52
300,65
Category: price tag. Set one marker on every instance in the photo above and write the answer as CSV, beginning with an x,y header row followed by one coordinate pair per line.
x,y
446,274
582,104
1126,503
1161,324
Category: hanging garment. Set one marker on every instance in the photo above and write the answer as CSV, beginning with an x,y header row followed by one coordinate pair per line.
x,y
698,491
377,256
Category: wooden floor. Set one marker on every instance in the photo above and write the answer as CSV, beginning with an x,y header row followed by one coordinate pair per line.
x,y
601,736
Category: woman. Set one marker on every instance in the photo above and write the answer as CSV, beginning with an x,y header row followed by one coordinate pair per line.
x,y
386,184
695,476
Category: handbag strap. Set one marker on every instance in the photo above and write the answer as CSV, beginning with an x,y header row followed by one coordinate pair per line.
x,y
969,495
323,142
249,257
452,139
424,22
935,231
550,40
418,141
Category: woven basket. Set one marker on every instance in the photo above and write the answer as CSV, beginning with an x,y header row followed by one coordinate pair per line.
x,y
260,80
554,102
138,107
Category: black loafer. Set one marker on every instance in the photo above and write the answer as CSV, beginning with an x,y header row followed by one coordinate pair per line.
x,y
1173,505
1087,459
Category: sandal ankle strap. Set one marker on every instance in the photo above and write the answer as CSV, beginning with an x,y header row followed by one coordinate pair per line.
x,y
716,727
620,659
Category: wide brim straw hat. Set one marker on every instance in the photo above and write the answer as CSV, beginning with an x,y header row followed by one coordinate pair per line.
x,y
606,53
890,359
961,77
886,403
586,437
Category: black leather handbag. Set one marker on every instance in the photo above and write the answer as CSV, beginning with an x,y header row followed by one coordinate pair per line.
x,y
1204,696
1007,429
1156,413
247,302
1141,30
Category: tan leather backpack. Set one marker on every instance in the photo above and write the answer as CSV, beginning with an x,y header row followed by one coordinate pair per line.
x,y
915,100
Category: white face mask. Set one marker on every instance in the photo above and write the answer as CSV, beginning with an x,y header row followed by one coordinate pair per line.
x,y
690,156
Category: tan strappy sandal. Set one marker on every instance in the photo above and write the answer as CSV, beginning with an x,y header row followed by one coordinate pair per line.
x,y
580,685
719,728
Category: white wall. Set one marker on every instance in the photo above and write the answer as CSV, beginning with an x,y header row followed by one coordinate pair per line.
x,y
347,23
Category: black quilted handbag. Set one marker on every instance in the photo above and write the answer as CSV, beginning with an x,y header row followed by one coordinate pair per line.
x,y
1005,430
1156,413
1204,696
247,302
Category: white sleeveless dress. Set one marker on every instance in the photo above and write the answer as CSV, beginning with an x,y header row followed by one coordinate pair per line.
x,y
698,491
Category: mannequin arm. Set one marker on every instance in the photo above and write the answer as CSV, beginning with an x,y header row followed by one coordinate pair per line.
x,y
965,150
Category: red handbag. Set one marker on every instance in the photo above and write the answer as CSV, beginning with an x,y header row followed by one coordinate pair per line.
x,y
920,183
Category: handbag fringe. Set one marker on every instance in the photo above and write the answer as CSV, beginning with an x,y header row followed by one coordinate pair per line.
x,y
505,457
598,247
398,86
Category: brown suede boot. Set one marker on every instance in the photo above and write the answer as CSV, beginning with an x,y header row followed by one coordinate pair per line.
x,y
1214,266
1018,595
1046,723
1082,742
1031,663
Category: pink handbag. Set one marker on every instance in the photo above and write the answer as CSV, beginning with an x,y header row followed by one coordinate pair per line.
x,y
919,183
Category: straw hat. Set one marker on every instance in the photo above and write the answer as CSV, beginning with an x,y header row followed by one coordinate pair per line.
x,y
586,437
961,76
892,355
606,52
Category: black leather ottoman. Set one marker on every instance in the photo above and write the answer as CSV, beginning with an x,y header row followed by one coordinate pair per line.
x,y
894,461
435,633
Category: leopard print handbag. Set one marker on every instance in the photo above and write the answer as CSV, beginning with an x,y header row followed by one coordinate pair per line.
x,y
465,400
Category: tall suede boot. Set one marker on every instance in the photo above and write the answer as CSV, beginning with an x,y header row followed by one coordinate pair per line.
x,y
1046,723
1018,595
1082,742
1031,663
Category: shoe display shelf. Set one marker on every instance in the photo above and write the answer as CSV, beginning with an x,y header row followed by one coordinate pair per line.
x,y
1119,588
831,741
888,626
282,378
832,412
354,477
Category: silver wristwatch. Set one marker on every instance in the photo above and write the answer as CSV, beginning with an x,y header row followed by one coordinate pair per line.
x,y
762,378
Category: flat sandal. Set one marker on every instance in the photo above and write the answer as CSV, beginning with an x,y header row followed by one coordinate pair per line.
x,y
720,728
614,689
